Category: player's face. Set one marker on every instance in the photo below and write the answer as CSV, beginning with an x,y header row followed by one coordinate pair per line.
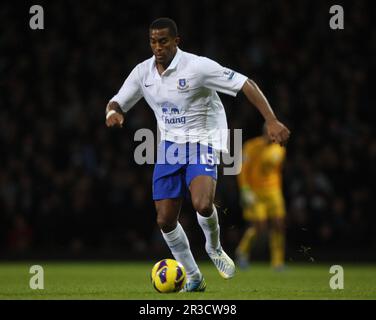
x,y
163,45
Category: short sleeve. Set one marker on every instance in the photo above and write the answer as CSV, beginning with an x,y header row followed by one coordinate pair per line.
x,y
130,92
219,78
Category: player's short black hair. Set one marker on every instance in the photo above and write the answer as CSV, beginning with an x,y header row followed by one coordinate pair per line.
x,y
162,23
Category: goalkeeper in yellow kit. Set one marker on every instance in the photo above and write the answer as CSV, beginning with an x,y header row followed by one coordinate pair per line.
x,y
260,183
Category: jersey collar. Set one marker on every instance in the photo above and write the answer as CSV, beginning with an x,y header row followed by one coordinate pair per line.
x,y
176,59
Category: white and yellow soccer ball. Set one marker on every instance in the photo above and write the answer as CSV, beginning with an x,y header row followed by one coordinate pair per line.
x,y
168,275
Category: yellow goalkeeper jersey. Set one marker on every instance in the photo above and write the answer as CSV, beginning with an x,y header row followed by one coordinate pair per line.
x,y
262,166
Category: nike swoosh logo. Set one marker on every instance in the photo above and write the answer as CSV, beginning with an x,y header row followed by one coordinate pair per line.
x,y
148,85
206,169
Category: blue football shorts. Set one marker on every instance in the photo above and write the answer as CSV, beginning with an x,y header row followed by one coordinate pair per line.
x,y
178,164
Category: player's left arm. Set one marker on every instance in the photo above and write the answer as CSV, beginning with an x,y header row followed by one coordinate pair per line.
x,y
216,77
277,131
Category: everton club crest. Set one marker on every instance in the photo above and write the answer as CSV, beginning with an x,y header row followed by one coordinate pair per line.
x,y
182,84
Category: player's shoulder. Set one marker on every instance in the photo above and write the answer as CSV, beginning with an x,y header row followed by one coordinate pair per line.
x,y
188,55
277,147
196,61
252,142
249,146
277,150
144,65
190,60
143,68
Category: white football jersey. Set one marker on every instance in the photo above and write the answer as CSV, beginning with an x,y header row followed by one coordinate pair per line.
x,y
184,98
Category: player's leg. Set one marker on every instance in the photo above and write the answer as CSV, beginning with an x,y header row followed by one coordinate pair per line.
x,y
257,225
168,191
277,243
202,188
243,250
256,217
167,218
168,211
201,178
277,231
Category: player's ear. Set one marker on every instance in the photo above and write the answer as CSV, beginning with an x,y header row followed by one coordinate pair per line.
x,y
177,40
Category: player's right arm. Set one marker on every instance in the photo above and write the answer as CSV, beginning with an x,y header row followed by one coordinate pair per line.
x,y
114,115
124,100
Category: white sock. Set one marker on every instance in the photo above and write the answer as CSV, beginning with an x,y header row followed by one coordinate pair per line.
x,y
211,228
178,243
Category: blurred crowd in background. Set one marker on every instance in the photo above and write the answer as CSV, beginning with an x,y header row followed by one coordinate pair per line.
x,y
69,185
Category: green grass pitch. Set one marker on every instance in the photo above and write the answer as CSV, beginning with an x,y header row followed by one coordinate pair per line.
x,y
130,280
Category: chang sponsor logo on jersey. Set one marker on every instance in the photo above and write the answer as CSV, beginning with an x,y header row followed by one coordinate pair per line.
x,y
171,114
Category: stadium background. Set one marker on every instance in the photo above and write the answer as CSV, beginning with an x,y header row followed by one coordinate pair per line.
x,y
69,187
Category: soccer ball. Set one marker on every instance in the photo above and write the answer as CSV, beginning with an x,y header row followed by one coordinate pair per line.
x,y
168,275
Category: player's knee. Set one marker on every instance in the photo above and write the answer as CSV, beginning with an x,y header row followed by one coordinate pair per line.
x,y
278,225
260,227
166,226
165,223
203,205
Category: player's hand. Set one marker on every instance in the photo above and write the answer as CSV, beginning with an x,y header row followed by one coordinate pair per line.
x,y
248,197
277,132
114,118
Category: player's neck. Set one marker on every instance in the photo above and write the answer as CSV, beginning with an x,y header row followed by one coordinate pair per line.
x,y
162,66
